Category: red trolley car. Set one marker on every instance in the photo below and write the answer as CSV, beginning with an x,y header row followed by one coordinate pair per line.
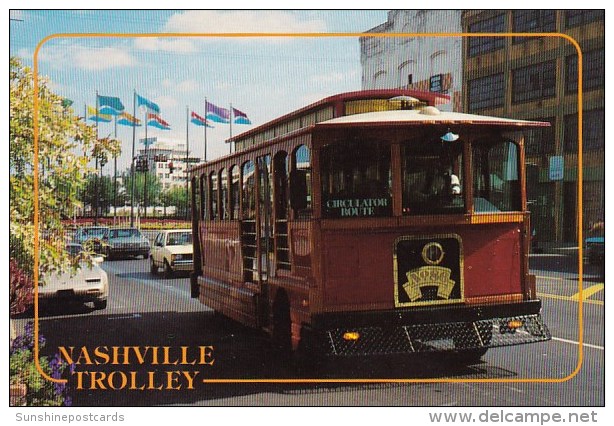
x,y
371,223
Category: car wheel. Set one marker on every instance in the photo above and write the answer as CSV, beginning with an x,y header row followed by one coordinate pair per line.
x,y
152,266
168,272
100,304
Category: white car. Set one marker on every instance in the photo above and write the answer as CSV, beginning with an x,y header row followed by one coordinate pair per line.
x,y
89,283
172,251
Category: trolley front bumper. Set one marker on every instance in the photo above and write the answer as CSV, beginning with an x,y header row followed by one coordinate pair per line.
x,y
441,329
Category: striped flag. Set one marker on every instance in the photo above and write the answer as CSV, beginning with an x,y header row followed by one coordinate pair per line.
x,y
97,117
151,107
126,119
110,105
155,120
216,113
199,121
240,117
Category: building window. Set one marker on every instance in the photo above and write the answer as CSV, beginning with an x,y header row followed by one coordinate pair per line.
x,y
593,131
593,71
480,45
534,82
573,18
486,92
540,140
533,21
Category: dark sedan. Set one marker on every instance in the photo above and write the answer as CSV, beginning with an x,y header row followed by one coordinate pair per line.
x,y
126,242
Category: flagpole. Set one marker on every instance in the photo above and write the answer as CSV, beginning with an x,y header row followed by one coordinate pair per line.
x,y
115,174
96,167
205,131
145,167
230,116
187,153
132,162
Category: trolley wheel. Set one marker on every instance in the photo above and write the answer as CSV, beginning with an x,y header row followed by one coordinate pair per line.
x,y
152,266
168,272
100,304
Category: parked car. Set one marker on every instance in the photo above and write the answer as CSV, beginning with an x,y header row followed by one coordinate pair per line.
x,y
88,283
125,242
92,238
594,247
172,251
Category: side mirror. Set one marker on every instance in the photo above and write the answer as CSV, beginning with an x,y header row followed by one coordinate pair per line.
x,y
298,189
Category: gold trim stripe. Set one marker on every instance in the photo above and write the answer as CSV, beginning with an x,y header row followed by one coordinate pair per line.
x,y
497,218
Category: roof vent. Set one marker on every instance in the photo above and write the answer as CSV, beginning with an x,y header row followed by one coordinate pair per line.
x,y
430,110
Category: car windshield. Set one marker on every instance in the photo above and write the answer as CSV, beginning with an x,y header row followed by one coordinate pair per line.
x,y
125,233
179,238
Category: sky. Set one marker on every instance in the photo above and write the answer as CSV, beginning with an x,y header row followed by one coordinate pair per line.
x,y
264,77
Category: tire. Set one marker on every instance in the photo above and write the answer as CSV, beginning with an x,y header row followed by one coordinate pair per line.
x,y
100,304
152,267
168,272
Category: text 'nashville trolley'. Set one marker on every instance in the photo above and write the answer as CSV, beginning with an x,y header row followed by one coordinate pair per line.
x,y
371,223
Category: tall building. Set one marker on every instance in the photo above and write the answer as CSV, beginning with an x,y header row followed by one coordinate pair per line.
x,y
426,63
536,78
167,161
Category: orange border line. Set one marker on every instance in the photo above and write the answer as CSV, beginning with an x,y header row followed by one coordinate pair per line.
x,y
324,35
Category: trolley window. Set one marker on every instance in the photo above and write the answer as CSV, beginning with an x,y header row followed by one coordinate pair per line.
x,y
496,186
356,179
248,188
432,176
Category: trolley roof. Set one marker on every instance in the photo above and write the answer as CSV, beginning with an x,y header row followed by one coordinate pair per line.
x,y
425,116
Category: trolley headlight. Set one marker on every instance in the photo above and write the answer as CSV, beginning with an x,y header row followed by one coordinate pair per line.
x,y
351,336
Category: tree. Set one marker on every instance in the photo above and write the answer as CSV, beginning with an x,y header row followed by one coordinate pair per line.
x,y
176,196
65,148
98,191
154,188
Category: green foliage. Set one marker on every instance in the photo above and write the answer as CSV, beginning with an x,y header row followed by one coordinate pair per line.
x,y
65,146
154,188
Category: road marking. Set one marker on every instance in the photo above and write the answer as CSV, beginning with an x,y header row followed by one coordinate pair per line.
x,y
573,342
549,278
570,298
126,317
588,292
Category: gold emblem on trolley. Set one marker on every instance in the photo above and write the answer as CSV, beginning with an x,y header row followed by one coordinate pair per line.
x,y
428,276
411,284
433,253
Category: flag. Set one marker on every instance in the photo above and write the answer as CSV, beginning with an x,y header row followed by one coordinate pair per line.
x,y
199,121
240,117
97,116
155,120
216,113
110,105
126,119
151,106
